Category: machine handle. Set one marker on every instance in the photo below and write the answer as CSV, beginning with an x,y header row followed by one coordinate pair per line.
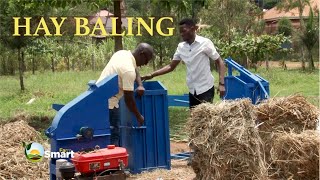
x,y
92,85
134,127
49,132
266,95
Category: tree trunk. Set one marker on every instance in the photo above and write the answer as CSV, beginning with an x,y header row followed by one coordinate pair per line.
x,y
52,63
302,26
73,64
161,56
93,63
33,65
11,66
117,13
24,67
20,59
311,63
303,63
267,62
68,63
193,9
4,66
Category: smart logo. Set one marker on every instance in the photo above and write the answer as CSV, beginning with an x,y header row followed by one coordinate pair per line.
x,y
34,151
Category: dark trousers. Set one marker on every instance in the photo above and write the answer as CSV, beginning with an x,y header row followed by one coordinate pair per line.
x,y
114,115
196,99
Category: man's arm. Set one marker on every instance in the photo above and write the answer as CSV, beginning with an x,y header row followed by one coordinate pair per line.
x,y
140,89
166,69
212,53
128,79
221,70
138,78
131,104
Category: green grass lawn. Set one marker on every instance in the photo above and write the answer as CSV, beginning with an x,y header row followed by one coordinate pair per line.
x,y
61,87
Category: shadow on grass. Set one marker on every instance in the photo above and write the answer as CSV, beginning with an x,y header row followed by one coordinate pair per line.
x,y
178,117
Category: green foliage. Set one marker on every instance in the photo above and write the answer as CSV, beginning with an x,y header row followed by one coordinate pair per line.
x,y
258,27
74,54
268,4
252,47
285,26
97,4
226,15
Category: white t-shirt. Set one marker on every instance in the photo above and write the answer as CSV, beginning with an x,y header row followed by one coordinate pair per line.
x,y
123,64
196,57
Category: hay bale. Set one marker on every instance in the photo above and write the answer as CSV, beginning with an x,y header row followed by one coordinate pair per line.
x,y
286,114
293,113
13,163
225,141
296,156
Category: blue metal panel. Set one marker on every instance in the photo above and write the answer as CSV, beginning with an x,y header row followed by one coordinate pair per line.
x,y
181,156
148,147
178,100
246,85
90,109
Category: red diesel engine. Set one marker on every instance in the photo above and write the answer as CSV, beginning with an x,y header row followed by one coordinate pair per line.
x,y
97,164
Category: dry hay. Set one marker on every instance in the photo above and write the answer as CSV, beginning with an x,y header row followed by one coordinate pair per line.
x,y
225,141
292,113
286,114
296,156
13,163
179,171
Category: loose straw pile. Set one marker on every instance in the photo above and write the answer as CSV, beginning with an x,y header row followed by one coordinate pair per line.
x,y
13,163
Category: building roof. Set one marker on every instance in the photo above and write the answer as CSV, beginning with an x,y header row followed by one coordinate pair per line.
x,y
103,14
275,14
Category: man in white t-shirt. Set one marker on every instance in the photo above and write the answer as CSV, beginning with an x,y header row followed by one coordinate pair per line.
x,y
196,51
124,63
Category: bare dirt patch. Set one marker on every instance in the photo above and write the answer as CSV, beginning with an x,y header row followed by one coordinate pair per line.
x,y
178,147
289,64
179,170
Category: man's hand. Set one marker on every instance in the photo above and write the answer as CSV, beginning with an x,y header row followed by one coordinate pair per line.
x,y
140,90
140,120
147,77
221,90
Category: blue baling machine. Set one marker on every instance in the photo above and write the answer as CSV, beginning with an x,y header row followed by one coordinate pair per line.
x,y
245,85
83,125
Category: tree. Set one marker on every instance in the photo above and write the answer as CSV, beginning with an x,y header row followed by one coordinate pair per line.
x,y
164,46
310,36
17,43
288,5
259,26
285,26
229,15
117,13
24,8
